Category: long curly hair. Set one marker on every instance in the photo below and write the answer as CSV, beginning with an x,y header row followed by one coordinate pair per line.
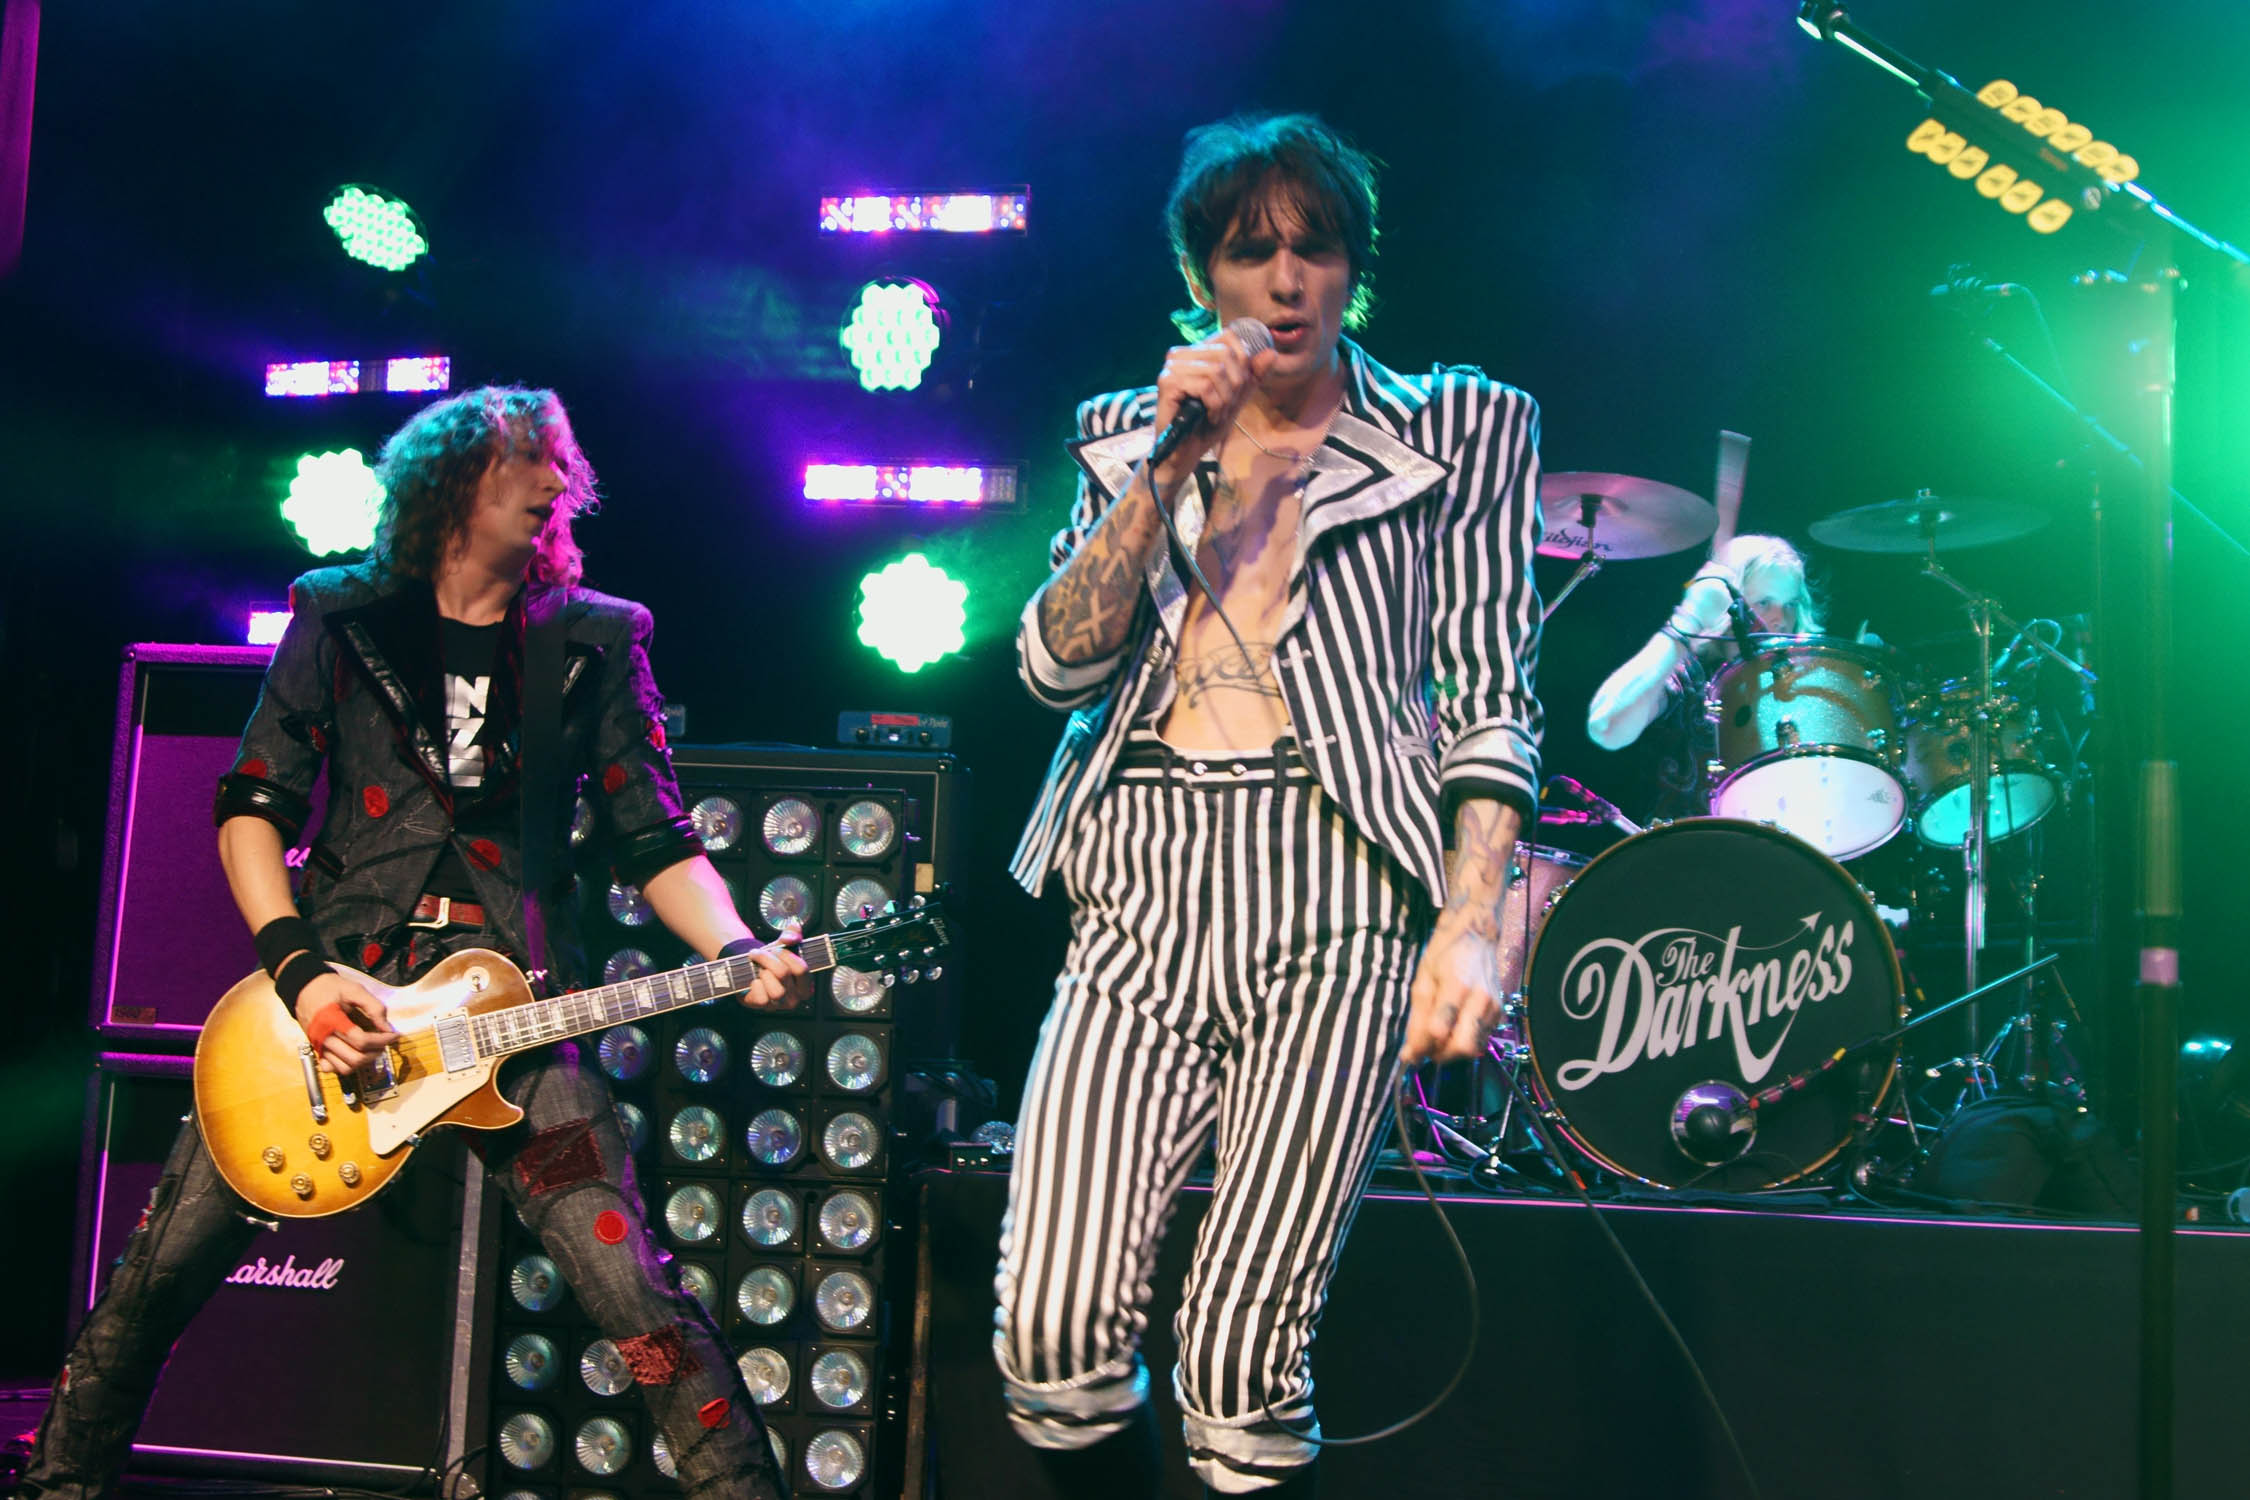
x,y
430,468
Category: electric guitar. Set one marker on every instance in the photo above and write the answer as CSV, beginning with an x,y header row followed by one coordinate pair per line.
x,y
301,1143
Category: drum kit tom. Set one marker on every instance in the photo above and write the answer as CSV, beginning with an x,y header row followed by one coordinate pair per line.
x,y
1679,1007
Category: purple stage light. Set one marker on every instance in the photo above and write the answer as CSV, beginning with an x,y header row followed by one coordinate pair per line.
x,y
423,372
313,377
985,486
932,213
265,627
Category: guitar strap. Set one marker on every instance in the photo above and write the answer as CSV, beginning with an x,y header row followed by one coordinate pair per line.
x,y
541,782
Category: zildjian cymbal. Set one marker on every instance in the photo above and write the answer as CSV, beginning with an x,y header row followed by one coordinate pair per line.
x,y
1910,525
1631,517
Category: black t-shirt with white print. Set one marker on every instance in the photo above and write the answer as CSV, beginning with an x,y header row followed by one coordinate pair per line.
x,y
471,655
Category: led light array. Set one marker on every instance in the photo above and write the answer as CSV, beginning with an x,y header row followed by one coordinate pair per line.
x,y
891,334
341,377
265,627
380,230
943,213
912,484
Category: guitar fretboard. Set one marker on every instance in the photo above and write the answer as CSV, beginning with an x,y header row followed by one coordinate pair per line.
x,y
521,1027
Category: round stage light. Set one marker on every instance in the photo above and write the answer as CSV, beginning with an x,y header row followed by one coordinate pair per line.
x,y
766,1372
838,1379
845,1300
526,1441
535,1283
375,228
892,334
778,1059
847,1220
785,900
867,830
698,1282
790,826
692,1214
660,1454
717,822
333,502
769,1217
911,613
774,1137
603,1368
856,990
603,1446
700,1054
628,907
855,1062
860,899
623,1052
627,963
697,1133
765,1295
834,1460
850,1141
530,1362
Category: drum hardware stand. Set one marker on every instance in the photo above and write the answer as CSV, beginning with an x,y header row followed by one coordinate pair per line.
x,y
1589,563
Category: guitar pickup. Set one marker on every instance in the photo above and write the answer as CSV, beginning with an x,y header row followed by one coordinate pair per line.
x,y
456,1048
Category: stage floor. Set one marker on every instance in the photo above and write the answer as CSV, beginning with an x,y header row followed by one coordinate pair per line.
x,y
1856,1354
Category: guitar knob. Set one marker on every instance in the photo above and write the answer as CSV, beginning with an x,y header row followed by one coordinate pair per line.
x,y
349,1171
320,1146
930,952
301,1185
271,1156
911,975
934,973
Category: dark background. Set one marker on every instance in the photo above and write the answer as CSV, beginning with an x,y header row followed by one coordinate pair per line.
x,y
1660,218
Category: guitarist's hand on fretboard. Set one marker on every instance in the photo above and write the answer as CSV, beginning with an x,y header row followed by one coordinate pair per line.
x,y
783,978
368,1029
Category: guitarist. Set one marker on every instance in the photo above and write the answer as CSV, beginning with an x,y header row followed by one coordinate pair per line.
x,y
406,676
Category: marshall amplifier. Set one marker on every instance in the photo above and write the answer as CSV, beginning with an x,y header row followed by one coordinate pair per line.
x,y
170,942
337,1350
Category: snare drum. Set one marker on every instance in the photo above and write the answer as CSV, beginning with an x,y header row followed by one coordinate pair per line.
x,y
1686,969
1808,741
1533,884
2022,789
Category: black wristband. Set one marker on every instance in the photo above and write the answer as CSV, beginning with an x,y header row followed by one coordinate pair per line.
x,y
296,974
740,946
281,937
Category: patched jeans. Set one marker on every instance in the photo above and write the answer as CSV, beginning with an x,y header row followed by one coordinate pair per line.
x,y
567,1173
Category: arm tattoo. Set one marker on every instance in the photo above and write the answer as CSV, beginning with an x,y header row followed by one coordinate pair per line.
x,y
1224,669
1482,844
1086,610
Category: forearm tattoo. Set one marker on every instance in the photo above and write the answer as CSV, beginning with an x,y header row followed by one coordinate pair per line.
x,y
1224,669
1483,840
1086,609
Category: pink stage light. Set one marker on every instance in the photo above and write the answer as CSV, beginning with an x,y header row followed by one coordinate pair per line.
x,y
265,627
313,377
422,372
987,486
1007,210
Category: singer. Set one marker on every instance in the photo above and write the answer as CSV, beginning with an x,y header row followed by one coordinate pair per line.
x,y
1265,756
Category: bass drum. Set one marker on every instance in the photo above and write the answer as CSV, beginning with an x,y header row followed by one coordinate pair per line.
x,y
1686,969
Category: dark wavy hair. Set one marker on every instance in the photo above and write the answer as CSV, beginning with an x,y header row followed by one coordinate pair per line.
x,y
1246,166
430,468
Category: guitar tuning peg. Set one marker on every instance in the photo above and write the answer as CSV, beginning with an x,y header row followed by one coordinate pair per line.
x,y
918,902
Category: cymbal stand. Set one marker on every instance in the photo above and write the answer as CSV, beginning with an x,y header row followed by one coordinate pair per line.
x,y
1589,562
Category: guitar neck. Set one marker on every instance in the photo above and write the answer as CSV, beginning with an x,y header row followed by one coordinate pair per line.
x,y
522,1027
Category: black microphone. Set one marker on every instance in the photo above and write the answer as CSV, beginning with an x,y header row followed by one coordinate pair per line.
x,y
1740,621
1976,287
1255,337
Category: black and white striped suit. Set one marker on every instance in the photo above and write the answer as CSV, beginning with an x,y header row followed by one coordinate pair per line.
x,y
1246,926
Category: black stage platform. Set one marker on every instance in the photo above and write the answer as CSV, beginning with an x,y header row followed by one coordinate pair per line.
x,y
1857,1355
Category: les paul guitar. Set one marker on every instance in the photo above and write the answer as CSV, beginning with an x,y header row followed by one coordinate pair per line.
x,y
300,1143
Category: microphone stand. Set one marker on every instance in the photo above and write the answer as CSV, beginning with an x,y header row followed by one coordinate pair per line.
x,y
2142,535
1589,562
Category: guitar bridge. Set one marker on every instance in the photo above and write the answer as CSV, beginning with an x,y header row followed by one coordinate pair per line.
x,y
375,1079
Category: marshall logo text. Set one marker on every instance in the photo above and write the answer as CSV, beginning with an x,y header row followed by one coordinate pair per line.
x,y
1696,987
320,1278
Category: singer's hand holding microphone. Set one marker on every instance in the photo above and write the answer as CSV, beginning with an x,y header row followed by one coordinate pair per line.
x,y
1200,392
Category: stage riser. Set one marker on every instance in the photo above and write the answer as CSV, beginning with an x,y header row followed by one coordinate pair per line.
x,y
1856,1358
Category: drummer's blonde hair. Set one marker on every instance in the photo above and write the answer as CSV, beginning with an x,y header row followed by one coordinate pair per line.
x,y
1745,554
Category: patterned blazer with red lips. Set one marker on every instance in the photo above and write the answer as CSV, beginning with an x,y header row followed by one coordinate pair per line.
x,y
1410,640
357,685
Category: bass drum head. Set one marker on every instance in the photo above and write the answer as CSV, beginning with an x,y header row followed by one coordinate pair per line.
x,y
1708,951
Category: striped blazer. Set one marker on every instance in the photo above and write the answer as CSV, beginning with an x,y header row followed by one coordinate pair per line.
x,y
1410,638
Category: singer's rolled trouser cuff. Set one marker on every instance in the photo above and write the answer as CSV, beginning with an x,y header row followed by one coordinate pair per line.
x,y
1074,1413
1242,1455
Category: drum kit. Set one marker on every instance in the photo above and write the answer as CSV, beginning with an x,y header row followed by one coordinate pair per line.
x,y
1716,1002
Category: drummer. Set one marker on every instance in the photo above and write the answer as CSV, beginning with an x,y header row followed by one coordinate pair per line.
x,y
1667,675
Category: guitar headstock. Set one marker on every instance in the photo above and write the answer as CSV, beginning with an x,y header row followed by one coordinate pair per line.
x,y
905,944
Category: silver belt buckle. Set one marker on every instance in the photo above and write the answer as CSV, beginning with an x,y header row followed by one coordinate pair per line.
x,y
444,917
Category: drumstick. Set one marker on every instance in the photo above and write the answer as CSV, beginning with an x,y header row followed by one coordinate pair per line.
x,y
1726,490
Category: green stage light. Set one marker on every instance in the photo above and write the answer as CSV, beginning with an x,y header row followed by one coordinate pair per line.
x,y
381,231
892,334
332,502
911,613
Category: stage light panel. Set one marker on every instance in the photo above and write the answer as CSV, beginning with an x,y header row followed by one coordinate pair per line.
x,y
265,626
380,230
333,502
892,334
986,485
313,377
422,372
1001,211
911,613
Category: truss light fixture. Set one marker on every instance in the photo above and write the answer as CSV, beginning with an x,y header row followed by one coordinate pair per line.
x,y
333,501
986,485
892,334
375,228
343,377
911,613
1001,211
266,625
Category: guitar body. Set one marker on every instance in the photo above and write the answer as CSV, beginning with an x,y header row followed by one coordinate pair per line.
x,y
255,1108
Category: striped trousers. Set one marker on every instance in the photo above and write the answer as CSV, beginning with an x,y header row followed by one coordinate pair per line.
x,y
1237,976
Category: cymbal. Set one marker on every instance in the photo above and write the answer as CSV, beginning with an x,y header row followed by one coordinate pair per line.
x,y
1634,517
1908,525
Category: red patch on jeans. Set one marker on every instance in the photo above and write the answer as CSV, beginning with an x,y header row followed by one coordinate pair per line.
x,y
609,1228
375,800
253,767
656,733
371,955
557,1157
613,780
714,1412
658,1358
318,737
484,854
